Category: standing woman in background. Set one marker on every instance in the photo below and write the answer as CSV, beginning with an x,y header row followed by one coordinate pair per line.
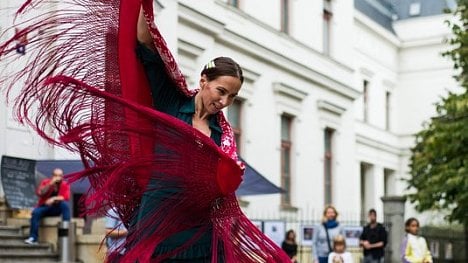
x,y
322,242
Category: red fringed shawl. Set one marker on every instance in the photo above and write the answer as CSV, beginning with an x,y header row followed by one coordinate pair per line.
x,y
85,91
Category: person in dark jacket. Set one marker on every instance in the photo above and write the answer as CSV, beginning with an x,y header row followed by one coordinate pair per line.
x,y
373,239
289,245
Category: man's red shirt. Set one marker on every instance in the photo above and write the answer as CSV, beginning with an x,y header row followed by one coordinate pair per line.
x,y
64,191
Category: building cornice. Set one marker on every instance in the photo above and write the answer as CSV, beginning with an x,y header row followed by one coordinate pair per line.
x,y
190,49
430,41
288,91
253,48
376,28
379,145
271,57
199,21
424,18
330,107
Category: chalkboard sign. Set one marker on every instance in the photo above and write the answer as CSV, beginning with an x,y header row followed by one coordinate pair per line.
x,y
18,181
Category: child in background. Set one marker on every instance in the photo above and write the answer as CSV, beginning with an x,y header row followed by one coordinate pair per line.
x,y
339,254
414,248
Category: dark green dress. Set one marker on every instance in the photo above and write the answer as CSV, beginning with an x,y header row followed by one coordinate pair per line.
x,y
168,99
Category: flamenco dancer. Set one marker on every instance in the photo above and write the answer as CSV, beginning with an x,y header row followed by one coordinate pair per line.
x,y
101,82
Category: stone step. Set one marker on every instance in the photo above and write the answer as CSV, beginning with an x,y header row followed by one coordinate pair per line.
x,y
36,257
39,253
12,239
24,248
9,230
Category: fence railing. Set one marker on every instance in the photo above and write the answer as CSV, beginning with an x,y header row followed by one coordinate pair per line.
x,y
446,245
275,226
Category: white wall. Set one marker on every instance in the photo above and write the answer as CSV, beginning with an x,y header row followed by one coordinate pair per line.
x,y
410,66
424,73
306,22
266,11
342,31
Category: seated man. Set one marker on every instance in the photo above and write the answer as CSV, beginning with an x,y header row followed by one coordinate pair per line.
x,y
53,195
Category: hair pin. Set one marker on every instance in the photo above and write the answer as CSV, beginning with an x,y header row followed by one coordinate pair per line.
x,y
210,64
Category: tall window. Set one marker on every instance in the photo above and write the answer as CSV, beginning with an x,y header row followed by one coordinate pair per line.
x,y
234,3
328,164
327,17
388,97
285,16
363,170
235,117
365,100
286,159
389,182
368,191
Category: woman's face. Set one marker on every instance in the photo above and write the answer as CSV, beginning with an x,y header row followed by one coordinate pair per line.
x,y
413,228
218,93
291,236
330,214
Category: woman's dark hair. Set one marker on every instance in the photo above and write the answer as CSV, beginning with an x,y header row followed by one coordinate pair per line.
x,y
222,66
409,221
286,237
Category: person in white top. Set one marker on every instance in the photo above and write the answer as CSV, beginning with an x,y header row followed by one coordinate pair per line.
x,y
339,254
115,235
414,247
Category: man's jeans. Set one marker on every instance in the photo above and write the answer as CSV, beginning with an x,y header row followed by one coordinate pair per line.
x,y
370,259
43,211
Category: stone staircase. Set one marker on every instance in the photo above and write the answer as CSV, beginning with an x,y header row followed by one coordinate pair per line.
x,y
13,250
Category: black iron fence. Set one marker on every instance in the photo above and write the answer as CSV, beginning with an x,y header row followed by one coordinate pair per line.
x,y
276,224
447,244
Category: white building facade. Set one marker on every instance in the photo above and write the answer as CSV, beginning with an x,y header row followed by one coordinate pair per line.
x,y
331,99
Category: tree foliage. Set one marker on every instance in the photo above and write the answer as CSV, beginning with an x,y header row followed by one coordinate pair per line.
x,y
439,161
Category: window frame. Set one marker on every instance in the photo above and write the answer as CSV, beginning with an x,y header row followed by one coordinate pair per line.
x,y
388,109
365,100
234,3
285,16
328,165
327,24
286,146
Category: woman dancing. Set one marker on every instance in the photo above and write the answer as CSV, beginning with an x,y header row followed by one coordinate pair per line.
x,y
162,155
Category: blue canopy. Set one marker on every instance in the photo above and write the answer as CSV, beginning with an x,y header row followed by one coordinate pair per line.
x,y
256,184
253,184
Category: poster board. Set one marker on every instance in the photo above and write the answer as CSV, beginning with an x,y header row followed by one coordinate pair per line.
x,y
352,235
275,230
19,182
307,234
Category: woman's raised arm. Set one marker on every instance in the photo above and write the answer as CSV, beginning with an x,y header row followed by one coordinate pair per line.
x,y
143,34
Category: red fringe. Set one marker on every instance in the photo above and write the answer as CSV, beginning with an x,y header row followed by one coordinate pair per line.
x,y
85,91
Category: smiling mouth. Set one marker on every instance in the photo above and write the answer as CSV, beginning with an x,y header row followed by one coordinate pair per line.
x,y
216,107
